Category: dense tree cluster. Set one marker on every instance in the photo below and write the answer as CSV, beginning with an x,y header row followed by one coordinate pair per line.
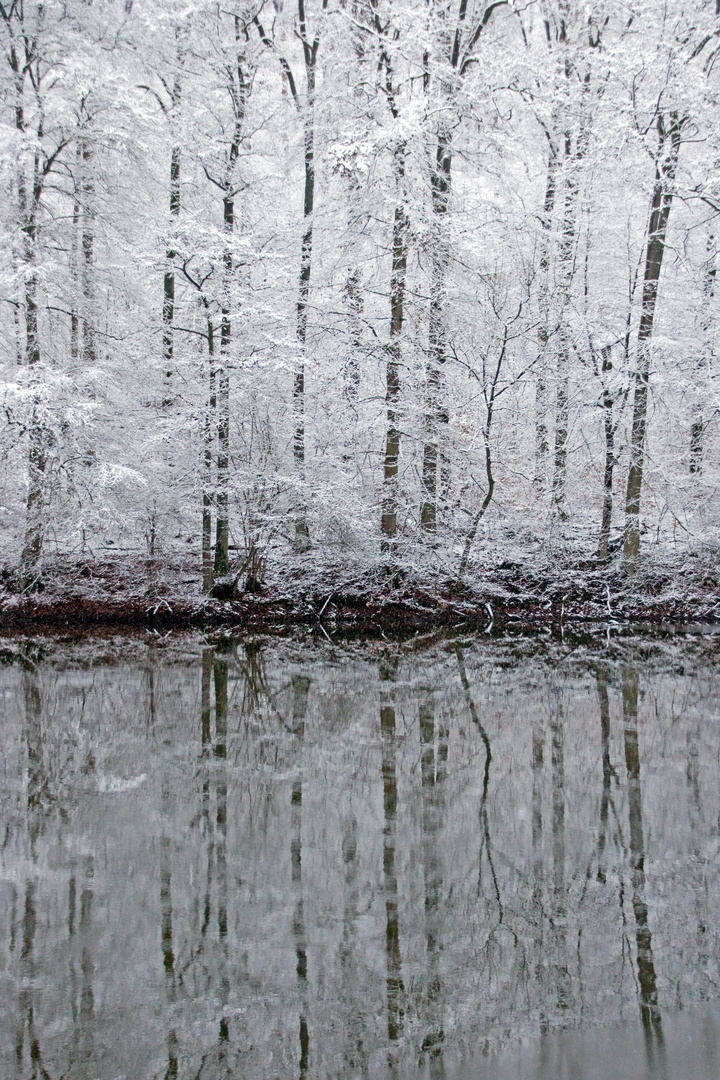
x,y
381,276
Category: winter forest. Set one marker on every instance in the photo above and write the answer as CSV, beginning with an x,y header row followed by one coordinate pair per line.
x,y
378,280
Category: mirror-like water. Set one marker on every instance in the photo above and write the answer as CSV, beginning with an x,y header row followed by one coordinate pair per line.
x,y
295,861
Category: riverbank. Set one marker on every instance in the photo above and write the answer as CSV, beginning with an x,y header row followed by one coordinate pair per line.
x,y
139,593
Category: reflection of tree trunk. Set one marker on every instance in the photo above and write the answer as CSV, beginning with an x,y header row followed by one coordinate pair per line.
x,y
607,770
649,1011
538,752
559,909
26,996
166,936
356,1057
84,1012
433,774
220,679
38,785
393,960
485,844
301,688
205,706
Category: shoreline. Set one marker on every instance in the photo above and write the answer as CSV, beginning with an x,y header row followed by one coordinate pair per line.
x,y
134,596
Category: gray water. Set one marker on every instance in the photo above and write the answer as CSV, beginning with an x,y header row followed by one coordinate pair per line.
x,y
287,860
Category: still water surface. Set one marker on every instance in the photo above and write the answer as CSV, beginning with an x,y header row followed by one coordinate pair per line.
x,y
290,860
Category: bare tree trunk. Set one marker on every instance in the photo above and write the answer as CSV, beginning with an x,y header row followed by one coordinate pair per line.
x,y
541,431
222,523
168,312
37,432
222,402
609,425
666,165
356,218
354,301
435,413
302,533
472,533
89,347
208,440
74,270
34,517
388,521
562,399
238,92
697,425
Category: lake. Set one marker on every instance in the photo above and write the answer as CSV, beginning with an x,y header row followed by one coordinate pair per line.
x,y
277,859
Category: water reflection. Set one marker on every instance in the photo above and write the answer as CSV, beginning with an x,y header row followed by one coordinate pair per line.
x,y
383,859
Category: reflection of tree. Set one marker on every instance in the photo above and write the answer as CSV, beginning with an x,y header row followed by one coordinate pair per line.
x,y
39,799
606,800
220,680
26,1036
559,904
649,1011
538,910
166,934
39,794
393,960
485,845
433,774
301,687
356,1056
214,685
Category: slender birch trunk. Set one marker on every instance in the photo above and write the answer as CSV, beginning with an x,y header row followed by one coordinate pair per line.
x,y
208,447
354,302
669,133
356,216
169,276
562,391
388,521
609,425
238,92
28,206
74,256
435,412
222,386
302,533
458,53
697,423
168,311
541,389
89,347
